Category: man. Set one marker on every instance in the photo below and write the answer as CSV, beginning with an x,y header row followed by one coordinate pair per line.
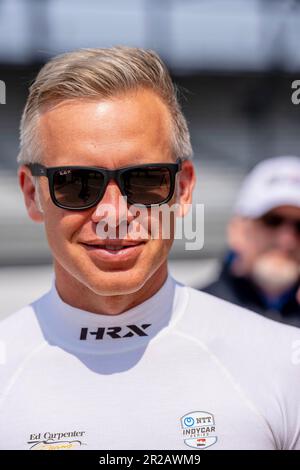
x,y
262,269
118,355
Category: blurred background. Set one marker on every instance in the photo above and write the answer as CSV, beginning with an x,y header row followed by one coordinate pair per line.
x,y
234,62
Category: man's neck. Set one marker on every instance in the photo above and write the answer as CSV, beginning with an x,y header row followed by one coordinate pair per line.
x,y
79,295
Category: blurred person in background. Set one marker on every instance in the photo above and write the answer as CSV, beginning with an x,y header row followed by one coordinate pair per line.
x,y
117,354
261,271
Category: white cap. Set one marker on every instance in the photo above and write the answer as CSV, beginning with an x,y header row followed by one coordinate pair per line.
x,y
272,183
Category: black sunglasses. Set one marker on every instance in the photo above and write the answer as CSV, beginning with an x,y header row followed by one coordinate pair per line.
x,y
82,187
275,221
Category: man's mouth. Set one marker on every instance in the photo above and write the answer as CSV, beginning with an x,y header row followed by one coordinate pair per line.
x,y
115,249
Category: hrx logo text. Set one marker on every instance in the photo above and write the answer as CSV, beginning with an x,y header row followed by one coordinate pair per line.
x,y
114,332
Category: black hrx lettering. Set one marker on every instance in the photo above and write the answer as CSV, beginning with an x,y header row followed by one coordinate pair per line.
x,y
98,334
115,332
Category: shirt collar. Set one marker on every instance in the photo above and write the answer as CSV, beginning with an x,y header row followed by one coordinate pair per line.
x,y
82,331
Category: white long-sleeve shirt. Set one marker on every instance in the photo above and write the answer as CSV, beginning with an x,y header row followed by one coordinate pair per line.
x,y
182,370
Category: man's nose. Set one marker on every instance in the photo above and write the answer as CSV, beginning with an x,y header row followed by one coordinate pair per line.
x,y
288,237
112,208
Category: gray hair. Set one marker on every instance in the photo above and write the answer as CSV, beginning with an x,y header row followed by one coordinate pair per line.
x,y
92,73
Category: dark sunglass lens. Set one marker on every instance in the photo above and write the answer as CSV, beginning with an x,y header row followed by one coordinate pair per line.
x,y
272,220
147,185
77,188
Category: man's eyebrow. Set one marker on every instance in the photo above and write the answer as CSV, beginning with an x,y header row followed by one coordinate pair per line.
x,y
109,165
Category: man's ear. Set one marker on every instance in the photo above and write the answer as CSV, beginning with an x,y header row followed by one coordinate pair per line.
x,y
29,190
186,183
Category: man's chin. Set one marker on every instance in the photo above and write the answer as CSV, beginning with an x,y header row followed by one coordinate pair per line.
x,y
275,273
113,283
